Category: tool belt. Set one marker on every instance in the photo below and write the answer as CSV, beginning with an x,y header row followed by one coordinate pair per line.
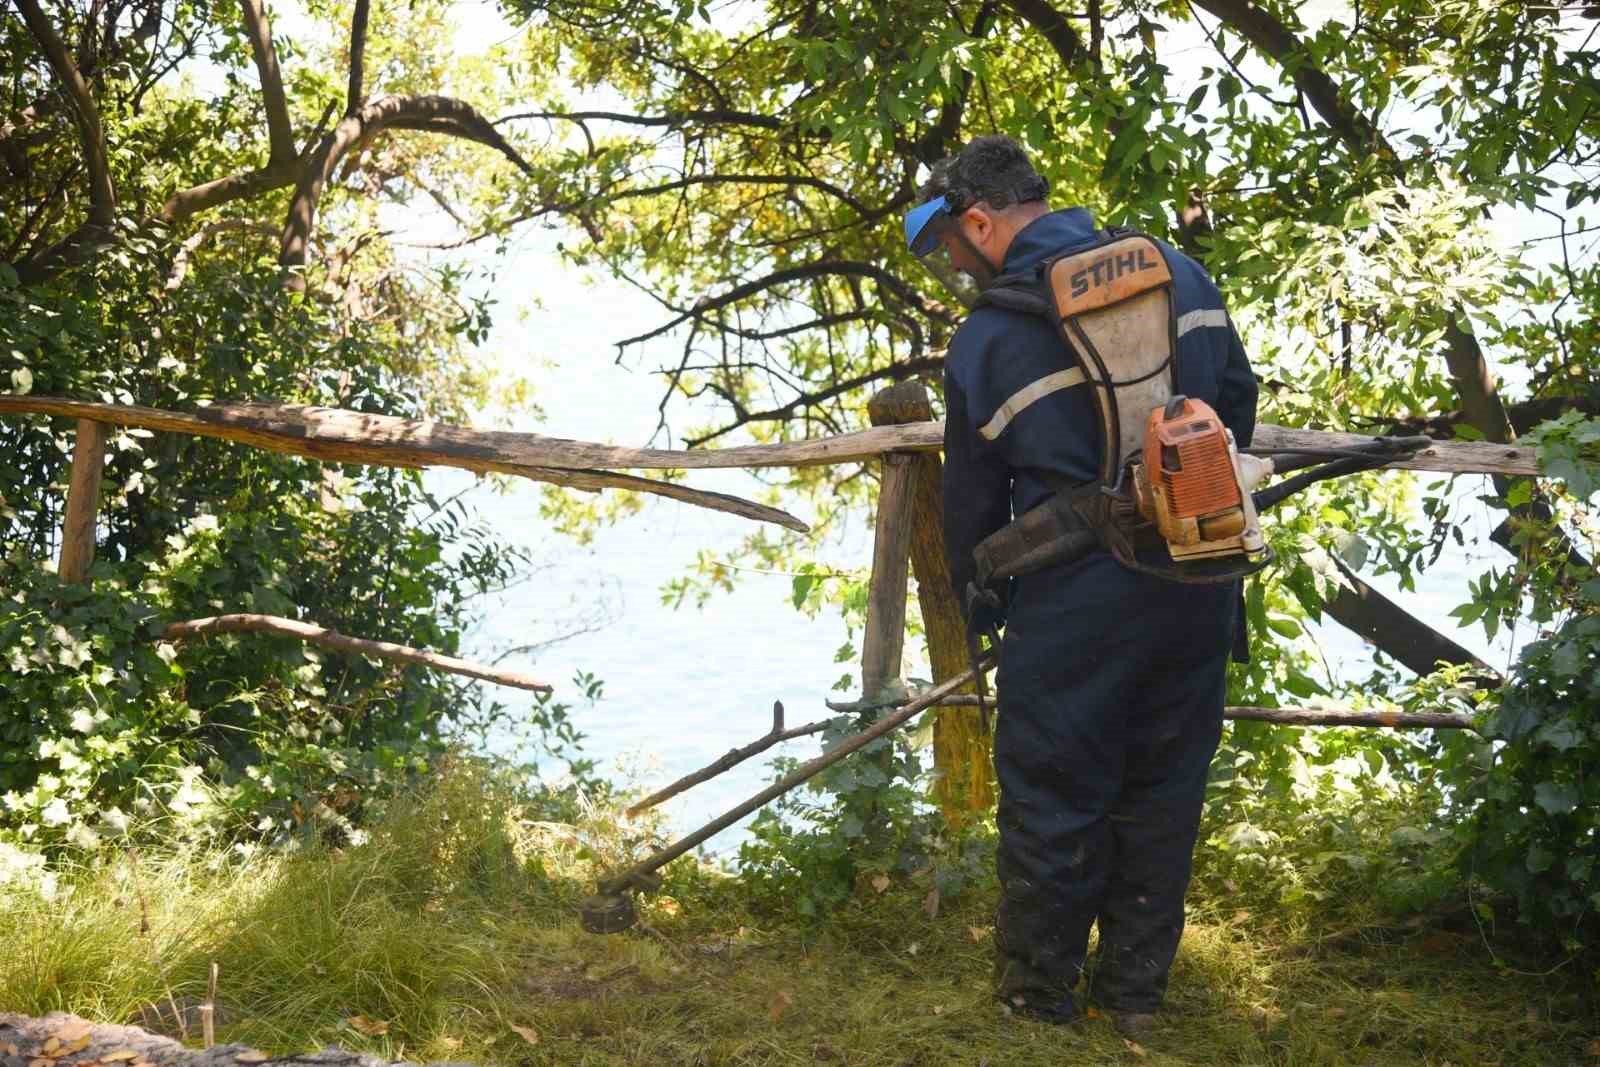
x,y
1060,530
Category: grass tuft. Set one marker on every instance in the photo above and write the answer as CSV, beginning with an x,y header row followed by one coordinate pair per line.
x,y
451,934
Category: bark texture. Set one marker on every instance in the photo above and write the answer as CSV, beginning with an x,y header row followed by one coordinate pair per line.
x,y
25,1040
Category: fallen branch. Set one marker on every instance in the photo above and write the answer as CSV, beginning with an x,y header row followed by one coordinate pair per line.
x,y
1397,633
731,759
319,635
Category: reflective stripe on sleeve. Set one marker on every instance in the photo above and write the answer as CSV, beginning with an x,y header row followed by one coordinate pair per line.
x,y
1050,383
1193,320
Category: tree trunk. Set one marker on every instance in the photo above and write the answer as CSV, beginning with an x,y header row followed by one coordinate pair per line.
x,y
25,1040
962,758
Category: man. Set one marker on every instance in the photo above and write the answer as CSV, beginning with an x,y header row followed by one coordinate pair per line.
x,y
1111,682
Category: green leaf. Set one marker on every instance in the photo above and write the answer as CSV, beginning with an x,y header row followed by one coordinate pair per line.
x,y
1353,549
802,587
1284,627
1539,859
1562,735
1556,798
1566,661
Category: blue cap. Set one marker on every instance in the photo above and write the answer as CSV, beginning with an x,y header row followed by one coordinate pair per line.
x,y
920,237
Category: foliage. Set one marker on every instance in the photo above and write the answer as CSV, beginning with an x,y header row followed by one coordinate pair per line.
x,y
104,724
1569,449
1391,197
1345,821
104,720
1528,813
865,819
450,934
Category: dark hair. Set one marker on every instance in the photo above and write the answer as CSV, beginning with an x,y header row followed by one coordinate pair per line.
x,y
993,169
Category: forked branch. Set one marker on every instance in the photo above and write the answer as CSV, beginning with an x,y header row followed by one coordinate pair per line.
x,y
433,114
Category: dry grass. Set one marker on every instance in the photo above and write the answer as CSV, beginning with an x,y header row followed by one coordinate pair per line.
x,y
454,931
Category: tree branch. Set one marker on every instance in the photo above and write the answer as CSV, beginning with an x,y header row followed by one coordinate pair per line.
x,y
841,268
186,202
280,135
180,262
319,635
284,163
1054,26
894,372
434,114
1262,29
358,52
802,180
18,135
1523,415
931,146
102,195
732,758
672,119
1396,632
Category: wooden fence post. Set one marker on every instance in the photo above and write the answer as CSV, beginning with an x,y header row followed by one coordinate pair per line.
x,y
961,749
83,501
884,640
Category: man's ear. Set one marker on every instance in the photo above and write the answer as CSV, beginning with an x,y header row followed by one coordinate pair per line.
x,y
982,222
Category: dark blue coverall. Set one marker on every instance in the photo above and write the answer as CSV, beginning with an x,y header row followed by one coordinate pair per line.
x,y
1111,683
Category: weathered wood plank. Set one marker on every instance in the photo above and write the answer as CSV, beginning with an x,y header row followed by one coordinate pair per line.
x,y
963,784
83,501
338,436
349,436
1446,457
883,642
1437,720
321,635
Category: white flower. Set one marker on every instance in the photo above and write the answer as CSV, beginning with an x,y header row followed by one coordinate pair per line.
x,y
83,837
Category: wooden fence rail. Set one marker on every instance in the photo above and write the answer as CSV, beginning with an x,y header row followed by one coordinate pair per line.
x,y
908,497
353,437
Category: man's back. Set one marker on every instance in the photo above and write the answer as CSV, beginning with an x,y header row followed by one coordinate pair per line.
x,y
1006,405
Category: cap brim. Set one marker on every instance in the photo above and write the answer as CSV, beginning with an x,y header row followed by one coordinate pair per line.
x,y
921,237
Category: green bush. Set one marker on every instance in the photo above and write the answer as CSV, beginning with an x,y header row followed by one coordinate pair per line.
x,y
101,722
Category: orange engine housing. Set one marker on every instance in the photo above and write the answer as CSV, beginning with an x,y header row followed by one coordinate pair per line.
x,y
1191,485
1186,483
1186,453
